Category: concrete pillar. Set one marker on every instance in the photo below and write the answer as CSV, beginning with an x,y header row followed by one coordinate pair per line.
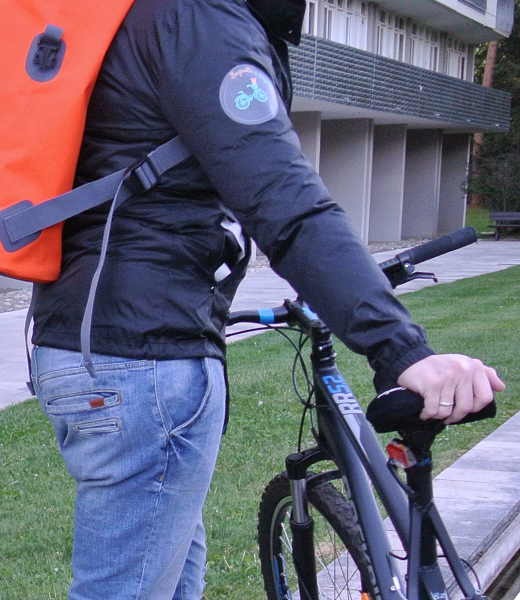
x,y
422,183
346,167
308,127
386,205
454,175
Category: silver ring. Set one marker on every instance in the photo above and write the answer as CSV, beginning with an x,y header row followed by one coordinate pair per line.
x,y
446,403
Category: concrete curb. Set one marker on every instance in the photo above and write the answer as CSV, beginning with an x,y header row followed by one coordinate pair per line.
x,y
492,480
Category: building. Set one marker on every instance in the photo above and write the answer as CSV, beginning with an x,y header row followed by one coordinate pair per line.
x,y
385,106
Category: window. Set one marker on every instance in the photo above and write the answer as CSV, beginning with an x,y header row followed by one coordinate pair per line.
x,y
390,35
480,5
310,22
327,23
356,24
344,21
457,58
424,47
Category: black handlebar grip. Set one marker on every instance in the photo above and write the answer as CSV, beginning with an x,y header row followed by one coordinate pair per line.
x,y
399,410
446,243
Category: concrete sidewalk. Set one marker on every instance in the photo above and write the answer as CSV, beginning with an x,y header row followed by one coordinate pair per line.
x,y
263,289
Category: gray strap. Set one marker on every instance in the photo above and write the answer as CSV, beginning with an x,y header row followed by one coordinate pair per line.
x,y
86,323
231,224
28,319
27,221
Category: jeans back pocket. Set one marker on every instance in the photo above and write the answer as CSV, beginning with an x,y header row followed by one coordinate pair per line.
x,y
109,425
82,402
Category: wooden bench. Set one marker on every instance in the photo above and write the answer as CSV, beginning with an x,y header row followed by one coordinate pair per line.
x,y
504,221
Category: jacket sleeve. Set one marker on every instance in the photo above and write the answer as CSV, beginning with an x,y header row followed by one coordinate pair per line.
x,y
216,57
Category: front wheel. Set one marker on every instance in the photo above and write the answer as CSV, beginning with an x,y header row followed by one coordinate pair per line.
x,y
342,562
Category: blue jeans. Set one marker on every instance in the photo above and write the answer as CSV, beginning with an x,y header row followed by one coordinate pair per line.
x,y
141,441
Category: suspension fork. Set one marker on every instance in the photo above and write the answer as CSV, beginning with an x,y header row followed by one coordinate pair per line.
x,y
302,525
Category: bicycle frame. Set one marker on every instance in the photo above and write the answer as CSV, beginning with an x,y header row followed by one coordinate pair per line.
x,y
347,438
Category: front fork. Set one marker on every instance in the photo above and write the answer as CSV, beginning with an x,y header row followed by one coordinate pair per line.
x,y
302,525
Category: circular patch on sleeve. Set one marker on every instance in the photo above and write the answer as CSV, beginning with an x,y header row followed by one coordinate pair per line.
x,y
248,96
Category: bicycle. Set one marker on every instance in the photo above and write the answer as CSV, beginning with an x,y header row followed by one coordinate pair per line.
x,y
243,100
304,514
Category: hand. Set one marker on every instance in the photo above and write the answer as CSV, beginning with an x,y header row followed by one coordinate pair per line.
x,y
452,385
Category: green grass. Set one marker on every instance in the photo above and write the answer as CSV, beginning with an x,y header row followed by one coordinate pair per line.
x,y
477,316
478,217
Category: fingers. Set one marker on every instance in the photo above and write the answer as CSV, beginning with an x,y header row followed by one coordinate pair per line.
x,y
464,401
439,404
496,383
452,385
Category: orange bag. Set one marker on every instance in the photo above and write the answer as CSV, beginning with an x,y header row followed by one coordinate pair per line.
x,y
52,51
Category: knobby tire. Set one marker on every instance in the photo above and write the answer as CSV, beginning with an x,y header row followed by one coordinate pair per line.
x,y
337,534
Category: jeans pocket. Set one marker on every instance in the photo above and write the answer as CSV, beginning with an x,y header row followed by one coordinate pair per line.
x,y
83,414
81,402
89,437
109,425
183,387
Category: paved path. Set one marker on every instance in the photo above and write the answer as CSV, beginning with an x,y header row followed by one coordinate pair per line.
x,y
262,288
13,364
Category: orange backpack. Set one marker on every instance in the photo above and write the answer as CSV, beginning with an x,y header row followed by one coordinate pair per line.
x,y
52,52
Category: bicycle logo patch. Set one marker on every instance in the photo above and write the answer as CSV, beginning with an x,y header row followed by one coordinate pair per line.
x,y
247,95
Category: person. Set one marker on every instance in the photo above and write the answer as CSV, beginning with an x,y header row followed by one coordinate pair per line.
x,y
141,437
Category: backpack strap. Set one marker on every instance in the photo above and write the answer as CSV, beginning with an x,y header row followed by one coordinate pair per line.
x,y
20,224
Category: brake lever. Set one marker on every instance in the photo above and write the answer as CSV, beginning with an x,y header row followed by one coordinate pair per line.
x,y
404,272
422,275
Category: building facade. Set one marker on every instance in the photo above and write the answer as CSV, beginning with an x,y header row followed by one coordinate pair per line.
x,y
385,106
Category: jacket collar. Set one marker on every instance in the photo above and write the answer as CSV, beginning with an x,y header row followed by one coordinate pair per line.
x,y
281,18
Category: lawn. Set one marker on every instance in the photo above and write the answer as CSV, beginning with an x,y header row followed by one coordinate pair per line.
x,y
478,316
478,217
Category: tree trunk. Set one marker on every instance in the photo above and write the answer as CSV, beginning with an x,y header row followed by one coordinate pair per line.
x,y
478,138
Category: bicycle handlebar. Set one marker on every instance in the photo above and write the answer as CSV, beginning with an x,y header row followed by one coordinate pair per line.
x,y
442,245
264,316
446,243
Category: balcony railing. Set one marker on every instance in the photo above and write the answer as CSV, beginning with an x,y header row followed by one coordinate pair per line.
x,y
331,72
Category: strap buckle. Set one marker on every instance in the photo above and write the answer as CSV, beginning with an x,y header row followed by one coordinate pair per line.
x,y
49,45
147,174
9,240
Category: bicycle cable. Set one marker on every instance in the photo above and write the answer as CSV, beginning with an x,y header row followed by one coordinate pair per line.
x,y
468,567
299,358
263,328
306,401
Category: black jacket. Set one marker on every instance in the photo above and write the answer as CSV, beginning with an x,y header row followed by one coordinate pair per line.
x,y
209,71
